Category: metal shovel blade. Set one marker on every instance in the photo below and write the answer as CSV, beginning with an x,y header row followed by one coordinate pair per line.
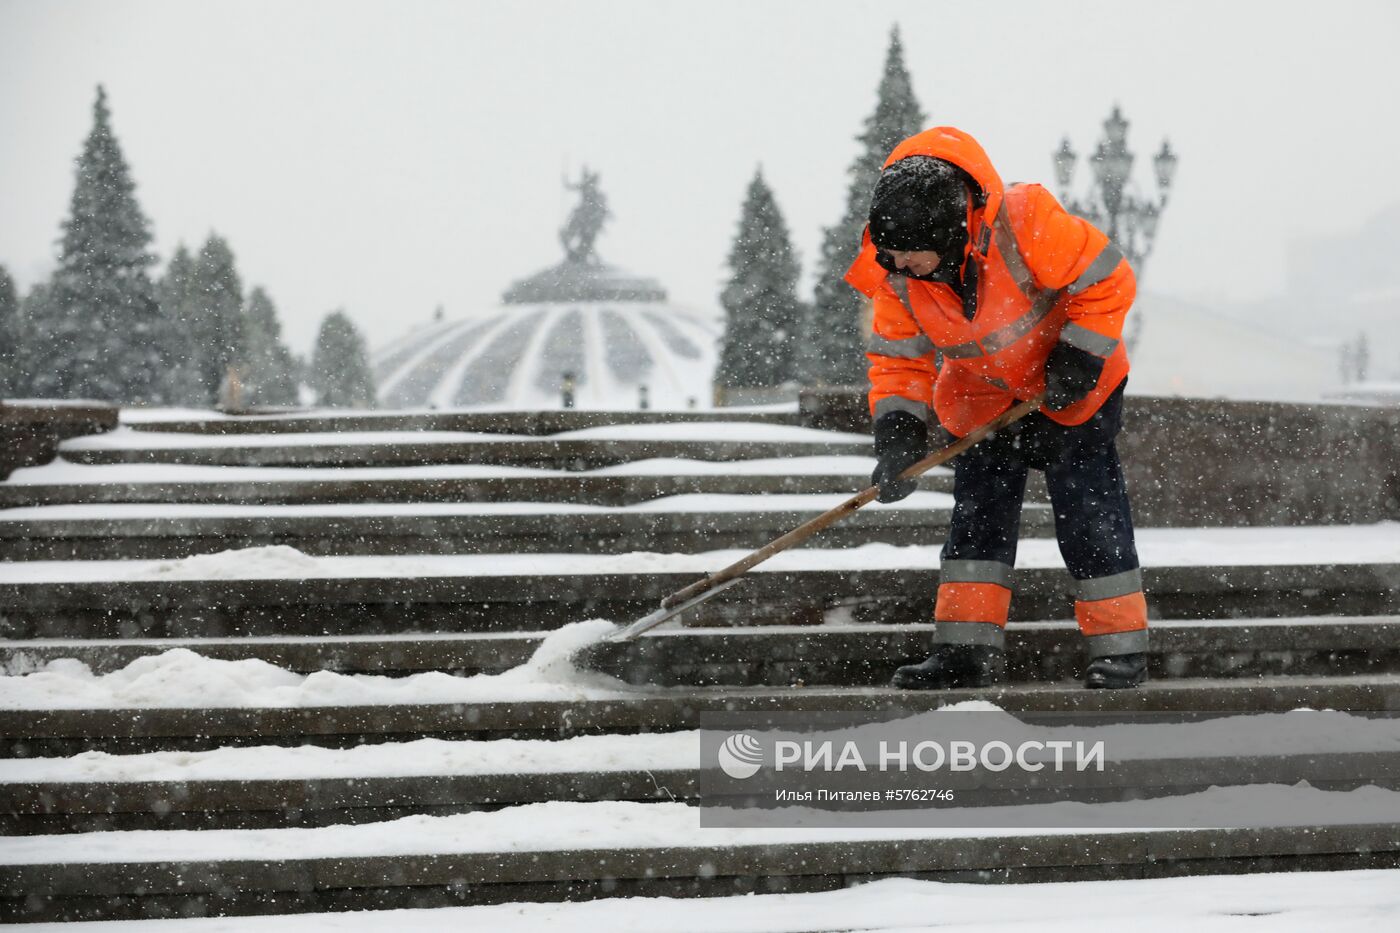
x,y
653,619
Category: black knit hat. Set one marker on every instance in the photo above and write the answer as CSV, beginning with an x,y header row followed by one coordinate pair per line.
x,y
920,203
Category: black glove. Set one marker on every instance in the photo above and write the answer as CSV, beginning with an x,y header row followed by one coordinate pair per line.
x,y
1070,374
901,440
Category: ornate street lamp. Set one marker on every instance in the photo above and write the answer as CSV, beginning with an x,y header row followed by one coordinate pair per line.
x,y
1112,203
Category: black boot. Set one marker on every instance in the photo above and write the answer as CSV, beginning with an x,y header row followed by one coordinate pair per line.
x,y
1115,671
954,666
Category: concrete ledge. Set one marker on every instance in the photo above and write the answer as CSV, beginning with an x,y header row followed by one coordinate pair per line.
x,y
48,733
30,431
1204,463
150,890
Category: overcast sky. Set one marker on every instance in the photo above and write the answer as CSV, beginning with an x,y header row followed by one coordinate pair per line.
x,y
388,156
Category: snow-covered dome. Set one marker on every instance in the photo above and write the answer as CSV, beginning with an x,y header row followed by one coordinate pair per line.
x,y
516,356
613,335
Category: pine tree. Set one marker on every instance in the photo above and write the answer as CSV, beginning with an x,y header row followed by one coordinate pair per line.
x,y
175,295
340,371
36,307
833,339
215,315
98,332
10,359
271,376
760,300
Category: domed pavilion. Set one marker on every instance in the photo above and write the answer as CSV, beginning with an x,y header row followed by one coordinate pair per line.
x,y
581,329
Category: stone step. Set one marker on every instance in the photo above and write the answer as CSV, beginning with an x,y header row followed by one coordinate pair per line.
x,y
840,655
545,454
26,733
358,595
209,886
44,807
613,490
96,532
580,450
531,423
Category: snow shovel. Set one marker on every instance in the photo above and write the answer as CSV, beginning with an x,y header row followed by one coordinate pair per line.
x,y
715,583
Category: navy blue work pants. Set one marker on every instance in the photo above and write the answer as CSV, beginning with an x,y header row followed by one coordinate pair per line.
x,y
1093,520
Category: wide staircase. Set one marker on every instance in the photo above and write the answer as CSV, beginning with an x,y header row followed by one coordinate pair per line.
x,y
285,664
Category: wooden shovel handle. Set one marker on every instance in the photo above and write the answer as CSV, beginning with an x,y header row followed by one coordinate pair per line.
x,y
807,529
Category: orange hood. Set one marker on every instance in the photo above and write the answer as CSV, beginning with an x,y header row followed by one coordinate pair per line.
x,y
950,145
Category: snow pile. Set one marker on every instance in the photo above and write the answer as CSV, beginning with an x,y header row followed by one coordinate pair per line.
x,y
552,664
251,563
182,679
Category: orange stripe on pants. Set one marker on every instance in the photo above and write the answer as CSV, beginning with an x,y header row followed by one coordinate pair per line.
x,y
972,602
1111,616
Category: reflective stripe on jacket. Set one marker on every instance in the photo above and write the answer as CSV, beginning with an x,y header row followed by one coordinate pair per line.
x,y
1044,276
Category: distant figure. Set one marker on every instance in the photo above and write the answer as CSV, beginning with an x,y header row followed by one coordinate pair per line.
x,y
568,391
231,389
587,219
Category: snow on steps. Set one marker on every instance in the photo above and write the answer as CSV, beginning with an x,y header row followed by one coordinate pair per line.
x,y
1191,574
574,450
838,654
310,786
109,531
1289,902
336,710
530,423
577,851
61,482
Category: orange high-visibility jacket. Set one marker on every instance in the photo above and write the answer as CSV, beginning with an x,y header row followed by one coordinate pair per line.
x,y
1045,276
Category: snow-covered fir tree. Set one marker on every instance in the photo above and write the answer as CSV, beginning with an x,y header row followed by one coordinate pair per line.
x,y
98,333
340,372
33,307
270,376
9,337
214,318
832,340
760,300
175,295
